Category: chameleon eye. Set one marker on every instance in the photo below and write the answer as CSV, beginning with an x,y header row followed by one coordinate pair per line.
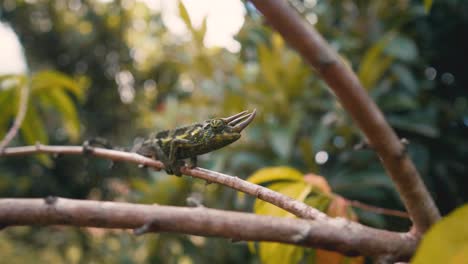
x,y
216,123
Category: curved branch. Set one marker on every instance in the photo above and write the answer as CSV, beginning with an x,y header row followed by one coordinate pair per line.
x,y
333,234
287,203
311,45
23,107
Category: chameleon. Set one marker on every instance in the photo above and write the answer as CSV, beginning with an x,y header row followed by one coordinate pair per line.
x,y
172,147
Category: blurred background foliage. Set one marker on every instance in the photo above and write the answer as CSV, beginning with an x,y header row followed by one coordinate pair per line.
x,y
113,69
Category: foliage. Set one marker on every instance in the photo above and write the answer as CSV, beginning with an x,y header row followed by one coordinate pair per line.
x,y
50,92
310,189
446,241
143,79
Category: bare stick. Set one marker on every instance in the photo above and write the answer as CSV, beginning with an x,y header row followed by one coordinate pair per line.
x,y
22,108
377,210
287,203
332,234
310,44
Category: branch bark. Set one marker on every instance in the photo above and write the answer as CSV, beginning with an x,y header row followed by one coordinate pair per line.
x,y
333,234
295,207
345,84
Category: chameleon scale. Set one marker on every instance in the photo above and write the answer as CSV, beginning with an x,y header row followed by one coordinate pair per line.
x,y
171,147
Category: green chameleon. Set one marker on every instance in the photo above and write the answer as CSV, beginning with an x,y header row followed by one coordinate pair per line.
x,y
171,147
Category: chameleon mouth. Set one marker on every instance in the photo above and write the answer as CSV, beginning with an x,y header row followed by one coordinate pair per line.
x,y
240,121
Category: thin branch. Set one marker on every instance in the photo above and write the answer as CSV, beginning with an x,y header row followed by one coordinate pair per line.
x,y
377,210
22,109
311,45
333,234
287,203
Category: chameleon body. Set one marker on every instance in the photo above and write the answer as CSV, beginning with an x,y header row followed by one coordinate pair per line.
x,y
171,147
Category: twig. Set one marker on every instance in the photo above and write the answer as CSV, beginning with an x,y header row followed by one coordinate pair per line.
x,y
287,203
22,108
311,45
333,234
378,210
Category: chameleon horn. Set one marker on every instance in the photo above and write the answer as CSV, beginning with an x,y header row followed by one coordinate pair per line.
x,y
238,127
229,119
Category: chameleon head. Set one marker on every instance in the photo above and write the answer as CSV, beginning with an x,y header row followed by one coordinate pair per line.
x,y
227,130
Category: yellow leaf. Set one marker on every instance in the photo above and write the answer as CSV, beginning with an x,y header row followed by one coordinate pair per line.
x,y
446,240
272,253
461,256
271,174
427,5
295,190
183,13
375,63
267,63
278,44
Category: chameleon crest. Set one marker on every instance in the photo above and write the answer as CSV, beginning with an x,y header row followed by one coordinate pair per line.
x,y
171,147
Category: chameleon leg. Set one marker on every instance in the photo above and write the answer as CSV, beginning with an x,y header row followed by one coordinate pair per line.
x,y
161,156
193,162
174,164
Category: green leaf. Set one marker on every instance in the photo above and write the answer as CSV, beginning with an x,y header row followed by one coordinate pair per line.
x,y
200,33
281,140
51,79
185,16
6,97
267,65
402,48
375,62
405,77
321,135
420,123
319,201
271,174
446,241
398,101
427,5
65,106
33,131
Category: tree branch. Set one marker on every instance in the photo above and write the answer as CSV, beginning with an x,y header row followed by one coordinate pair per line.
x,y
377,210
333,234
22,108
310,44
287,203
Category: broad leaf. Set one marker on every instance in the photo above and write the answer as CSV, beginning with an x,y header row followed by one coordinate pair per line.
x,y
34,131
183,13
296,190
446,241
275,174
280,253
52,79
63,103
375,62
402,48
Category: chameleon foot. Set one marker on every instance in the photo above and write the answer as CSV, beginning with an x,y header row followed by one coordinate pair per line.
x,y
174,169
